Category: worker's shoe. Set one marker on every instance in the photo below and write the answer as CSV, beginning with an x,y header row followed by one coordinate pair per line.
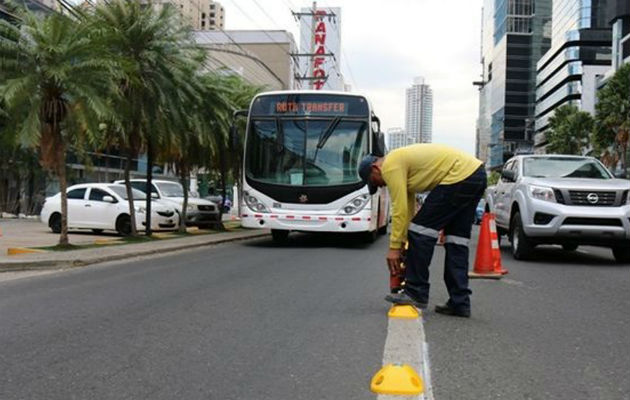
x,y
446,309
403,298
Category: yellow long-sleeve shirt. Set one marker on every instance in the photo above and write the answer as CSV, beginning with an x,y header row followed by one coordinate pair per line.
x,y
419,168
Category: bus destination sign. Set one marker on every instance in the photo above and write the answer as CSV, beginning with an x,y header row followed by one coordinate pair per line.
x,y
311,107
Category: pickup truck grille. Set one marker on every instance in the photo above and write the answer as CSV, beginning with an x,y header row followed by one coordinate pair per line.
x,y
592,198
592,221
206,208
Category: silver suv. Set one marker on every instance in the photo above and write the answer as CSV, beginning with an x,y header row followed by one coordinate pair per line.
x,y
559,199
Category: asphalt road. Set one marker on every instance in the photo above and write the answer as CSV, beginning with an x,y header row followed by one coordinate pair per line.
x,y
307,321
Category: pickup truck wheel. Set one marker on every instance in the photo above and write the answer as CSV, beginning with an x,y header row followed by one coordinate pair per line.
x,y
622,254
569,247
520,243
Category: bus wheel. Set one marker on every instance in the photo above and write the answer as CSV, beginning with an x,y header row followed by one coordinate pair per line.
x,y
383,229
370,236
279,235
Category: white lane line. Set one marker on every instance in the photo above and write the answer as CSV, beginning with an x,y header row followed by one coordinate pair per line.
x,y
405,344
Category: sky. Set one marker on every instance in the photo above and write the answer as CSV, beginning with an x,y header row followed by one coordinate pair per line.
x,y
386,44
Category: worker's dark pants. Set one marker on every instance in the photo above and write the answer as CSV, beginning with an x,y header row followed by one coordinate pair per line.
x,y
452,208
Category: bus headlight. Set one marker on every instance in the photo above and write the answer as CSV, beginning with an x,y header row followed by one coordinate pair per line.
x,y
254,204
355,205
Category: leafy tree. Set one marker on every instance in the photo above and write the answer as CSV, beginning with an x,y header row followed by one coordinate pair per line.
x,y
55,81
157,56
493,178
613,117
569,130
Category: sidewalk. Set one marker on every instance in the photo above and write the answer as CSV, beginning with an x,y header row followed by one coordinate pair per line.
x,y
32,235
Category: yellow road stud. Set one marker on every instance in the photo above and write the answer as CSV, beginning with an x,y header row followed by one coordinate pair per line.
x,y
397,379
403,312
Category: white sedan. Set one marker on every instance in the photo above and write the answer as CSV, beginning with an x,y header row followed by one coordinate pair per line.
x,y
102,206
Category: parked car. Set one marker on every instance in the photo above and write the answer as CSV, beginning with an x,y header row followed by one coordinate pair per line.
x,y
559,199
101,206
200,212
218,199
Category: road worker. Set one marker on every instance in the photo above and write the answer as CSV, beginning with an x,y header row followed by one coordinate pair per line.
x,y
456,182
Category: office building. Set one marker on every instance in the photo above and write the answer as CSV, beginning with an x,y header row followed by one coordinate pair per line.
x,y
419,112
262,58
580,54
618,14
396,137
515,34
202,15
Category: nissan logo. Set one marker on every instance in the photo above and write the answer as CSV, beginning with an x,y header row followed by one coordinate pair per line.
x,y
592,198
303,198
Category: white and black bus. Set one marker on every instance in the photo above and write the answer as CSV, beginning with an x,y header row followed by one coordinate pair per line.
x,y
302,152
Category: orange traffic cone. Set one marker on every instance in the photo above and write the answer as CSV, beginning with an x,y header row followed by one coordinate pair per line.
x,y
496,251
484,260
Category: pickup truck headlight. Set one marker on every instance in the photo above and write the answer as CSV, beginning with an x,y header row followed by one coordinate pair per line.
x,y
254,204
542,193
190,208
355,205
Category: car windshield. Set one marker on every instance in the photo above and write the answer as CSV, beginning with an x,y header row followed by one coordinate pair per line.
x,y
564,167
170,189
122,192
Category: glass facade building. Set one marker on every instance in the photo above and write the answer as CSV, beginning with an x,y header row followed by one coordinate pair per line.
x,y
515,33
580,53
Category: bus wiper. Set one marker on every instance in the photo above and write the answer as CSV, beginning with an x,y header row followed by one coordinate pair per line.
x,y
326,135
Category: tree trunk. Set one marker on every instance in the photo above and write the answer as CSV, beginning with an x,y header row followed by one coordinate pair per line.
x,y
63,186
149,186
223,166
132,209
183,175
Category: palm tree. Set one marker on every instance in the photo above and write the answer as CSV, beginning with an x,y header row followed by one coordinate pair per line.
x,y
157,56
613,114
55,81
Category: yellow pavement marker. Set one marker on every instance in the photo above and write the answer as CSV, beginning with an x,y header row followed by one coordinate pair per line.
x,y
403,312
397,379
16,251
102,242
163,235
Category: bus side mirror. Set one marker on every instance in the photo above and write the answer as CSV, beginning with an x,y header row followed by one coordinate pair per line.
x,y
234,138
379,145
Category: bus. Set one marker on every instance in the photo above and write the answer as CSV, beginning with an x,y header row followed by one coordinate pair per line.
x,y
301,155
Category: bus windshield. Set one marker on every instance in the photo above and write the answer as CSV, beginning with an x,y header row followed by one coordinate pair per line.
x,y
307,148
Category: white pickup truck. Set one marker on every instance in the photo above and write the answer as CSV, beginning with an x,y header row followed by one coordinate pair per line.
x,y
559,199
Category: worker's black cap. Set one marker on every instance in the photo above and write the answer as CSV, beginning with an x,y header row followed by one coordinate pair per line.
x,y
365,170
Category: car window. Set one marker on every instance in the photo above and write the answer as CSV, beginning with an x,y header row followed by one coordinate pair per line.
x,y
98,194
515,168
507,167
142,186
564,167
77,193
121,191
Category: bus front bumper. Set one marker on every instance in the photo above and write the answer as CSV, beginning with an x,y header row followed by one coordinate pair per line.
x,y
361,222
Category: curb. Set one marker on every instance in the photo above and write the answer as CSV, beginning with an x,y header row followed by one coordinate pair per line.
x,y
42,265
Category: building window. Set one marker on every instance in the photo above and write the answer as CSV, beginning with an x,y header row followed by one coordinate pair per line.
x,y
203,15
211,15
203,24
212,6
212,22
